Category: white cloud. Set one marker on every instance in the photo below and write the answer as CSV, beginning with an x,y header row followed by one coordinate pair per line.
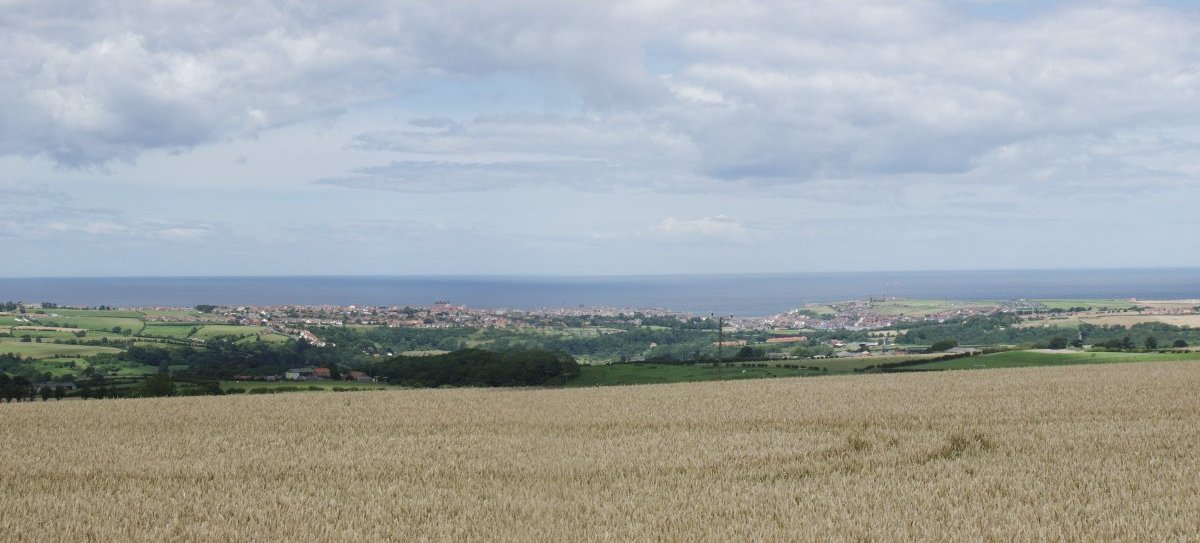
x,y
433,177
124,230
559,128
85,86
772,91
719,227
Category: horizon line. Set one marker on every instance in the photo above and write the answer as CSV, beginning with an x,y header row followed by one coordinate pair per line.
x,y
599,276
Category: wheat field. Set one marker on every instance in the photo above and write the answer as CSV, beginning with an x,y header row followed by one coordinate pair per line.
x,y
1072,453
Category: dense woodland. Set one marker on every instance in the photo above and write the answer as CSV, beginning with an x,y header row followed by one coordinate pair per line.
x,y
477,367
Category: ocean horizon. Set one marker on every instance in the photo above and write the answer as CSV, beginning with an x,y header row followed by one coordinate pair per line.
x,y
739,294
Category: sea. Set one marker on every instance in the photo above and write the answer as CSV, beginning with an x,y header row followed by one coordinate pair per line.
x,y
735,294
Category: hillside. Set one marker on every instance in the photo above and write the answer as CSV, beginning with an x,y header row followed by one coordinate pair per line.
x,y
1101,452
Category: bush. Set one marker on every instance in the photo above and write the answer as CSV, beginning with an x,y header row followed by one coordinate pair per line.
x,y
943,345
156,385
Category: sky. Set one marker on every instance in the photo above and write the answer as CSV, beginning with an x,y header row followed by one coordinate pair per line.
x,y
170,137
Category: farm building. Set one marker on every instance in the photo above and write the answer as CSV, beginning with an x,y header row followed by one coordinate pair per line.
x,y
358,376
788,339
300,374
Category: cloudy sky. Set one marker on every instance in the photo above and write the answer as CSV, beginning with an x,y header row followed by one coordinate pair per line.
x,y
171,137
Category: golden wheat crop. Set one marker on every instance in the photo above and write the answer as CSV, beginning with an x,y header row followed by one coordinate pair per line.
x,y
1079,453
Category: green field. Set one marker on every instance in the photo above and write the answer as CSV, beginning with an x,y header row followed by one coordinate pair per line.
x,y
324,385
176,331
1021,359
60,334
93,322
924,307
857,363
45,334
47,350
268,338
60,366
77,313
1094,304
637,374
209,331
175,314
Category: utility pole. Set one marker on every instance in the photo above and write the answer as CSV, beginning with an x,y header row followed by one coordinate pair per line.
x,y
720,343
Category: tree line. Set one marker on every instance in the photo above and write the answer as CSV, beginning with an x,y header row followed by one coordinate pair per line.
x,y
477,367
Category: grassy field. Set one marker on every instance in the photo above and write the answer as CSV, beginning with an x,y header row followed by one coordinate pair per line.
x,y
176,331
269,338
64,313
215,330
924,307
649,373
46,350
855,363
324,385
59,366
1021,359
1094,304
94,322
423,353
176,313
1084,453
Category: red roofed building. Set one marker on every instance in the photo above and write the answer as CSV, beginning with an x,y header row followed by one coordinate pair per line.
x,y
788,339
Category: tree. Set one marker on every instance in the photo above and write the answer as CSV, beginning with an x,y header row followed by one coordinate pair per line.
x,y
1057,342
1151,343
943,345
59,392
45,392
1180,344
156,385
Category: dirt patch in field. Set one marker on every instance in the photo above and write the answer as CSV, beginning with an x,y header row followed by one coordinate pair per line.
x,y
46,329
1130,320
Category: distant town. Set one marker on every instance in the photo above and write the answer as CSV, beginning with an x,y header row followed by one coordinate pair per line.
x,y
854,315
